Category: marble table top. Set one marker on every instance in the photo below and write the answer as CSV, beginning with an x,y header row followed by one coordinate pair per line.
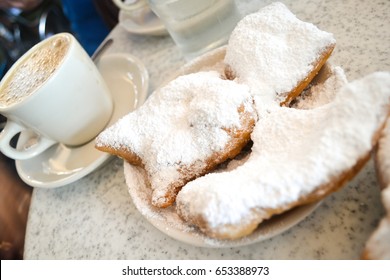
x,y
94,217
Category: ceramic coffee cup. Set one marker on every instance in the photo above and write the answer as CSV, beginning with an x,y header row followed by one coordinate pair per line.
x,y
55,92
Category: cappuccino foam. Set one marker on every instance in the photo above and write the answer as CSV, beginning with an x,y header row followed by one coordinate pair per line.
x,y
33,71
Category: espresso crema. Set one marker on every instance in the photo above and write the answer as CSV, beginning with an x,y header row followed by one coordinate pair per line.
x,y
33,70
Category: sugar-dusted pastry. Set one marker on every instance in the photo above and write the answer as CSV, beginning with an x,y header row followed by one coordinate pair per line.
x,y
322,89
298,156
378,244
184,130
275,53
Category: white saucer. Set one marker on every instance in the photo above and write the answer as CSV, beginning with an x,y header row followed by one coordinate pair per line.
x,y
151,26
168,221
127,79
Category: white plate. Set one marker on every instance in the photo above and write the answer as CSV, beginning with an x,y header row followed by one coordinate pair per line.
x,y
167,220
127,79
151,26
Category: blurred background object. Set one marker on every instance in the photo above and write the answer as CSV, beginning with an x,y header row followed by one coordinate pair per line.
x,y
15,199
108,11
86,23
23,23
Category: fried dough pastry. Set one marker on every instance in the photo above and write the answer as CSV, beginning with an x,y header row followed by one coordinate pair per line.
x,y
276,54
378,245
322,89
298,157
184,130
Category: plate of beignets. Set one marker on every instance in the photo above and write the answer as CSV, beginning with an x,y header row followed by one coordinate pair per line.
x,y
245,141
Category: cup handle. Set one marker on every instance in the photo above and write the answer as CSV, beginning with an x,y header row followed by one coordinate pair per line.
x,y
10,130
130,7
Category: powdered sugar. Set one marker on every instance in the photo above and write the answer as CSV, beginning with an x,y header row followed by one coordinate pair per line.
x,y
167,220
294,152
141,194
324,91
181,124
272,50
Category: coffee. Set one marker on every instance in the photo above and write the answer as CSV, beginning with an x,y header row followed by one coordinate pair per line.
x,y
54,80
34,71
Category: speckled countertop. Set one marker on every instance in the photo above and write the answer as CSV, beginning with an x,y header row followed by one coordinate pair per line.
x,y
94,218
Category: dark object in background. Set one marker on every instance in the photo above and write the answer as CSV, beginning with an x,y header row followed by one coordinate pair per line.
x,y
25,23
108,11
86,23
5,61
15,198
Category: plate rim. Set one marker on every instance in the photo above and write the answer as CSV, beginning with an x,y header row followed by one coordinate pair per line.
x,y
198,239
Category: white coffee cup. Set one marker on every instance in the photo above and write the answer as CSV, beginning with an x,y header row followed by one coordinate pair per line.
x,y
56,92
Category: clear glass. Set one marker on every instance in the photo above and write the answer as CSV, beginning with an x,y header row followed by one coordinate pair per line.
x,y
197,26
